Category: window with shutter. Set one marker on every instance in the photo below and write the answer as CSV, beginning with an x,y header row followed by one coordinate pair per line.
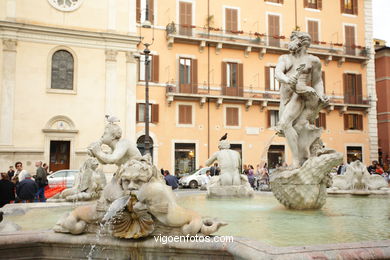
x,y
273,30
273,118
185,73
233,83
142,67
312,29
155,68
353,122
270,81
349,6
231,20
145,11
185,18
353,88
314,4
185,114
275,1
321,120
349,40
155,113
141,113
232,114
323,81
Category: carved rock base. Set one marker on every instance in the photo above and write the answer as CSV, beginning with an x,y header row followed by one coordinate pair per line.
x,y
240,191
305,187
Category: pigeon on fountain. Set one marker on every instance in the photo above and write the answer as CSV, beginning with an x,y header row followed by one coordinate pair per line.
x,y
224,137
112,119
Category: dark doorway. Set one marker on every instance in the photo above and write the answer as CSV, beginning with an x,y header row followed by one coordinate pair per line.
x,y
185,158
354,153
275,156
59,155
237,148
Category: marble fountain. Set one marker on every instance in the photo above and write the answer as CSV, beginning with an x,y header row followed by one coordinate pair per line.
x,y
298,220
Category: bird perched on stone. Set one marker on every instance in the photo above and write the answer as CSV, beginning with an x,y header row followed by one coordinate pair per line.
x,y
224,137
112,119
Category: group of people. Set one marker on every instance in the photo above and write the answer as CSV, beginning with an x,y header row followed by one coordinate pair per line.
x,y
19,186
257,177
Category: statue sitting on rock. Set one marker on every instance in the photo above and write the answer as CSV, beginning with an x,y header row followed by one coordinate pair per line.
x,y
137,203
230,182
88,185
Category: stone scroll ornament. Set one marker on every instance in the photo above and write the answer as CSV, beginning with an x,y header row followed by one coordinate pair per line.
x,y
303,184
137,202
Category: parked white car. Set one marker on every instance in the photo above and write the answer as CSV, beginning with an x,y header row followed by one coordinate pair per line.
x,y
61,178
194,180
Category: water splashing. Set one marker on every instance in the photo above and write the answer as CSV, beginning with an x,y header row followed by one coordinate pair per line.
x,y
264,154
99,234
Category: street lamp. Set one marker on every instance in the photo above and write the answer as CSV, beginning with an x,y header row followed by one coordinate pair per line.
x,y
146,52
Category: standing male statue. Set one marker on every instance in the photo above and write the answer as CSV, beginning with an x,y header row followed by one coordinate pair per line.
x,y
302,97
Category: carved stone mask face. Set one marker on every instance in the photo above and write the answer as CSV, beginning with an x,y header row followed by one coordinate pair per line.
x,y
133,178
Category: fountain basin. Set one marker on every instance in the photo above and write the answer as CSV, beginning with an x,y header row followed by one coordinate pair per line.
x,y
346,226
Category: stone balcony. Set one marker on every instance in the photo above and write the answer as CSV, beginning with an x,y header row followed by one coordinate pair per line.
x,y
261,99
259,43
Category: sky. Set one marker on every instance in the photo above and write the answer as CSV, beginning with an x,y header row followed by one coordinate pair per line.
x,y
381,15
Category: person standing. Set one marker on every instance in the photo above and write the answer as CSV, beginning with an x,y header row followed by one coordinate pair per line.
x,y
251,176
245,170
264,175
20,174
46,167
217,169
11,172
7,190
213,169
26,189
171,180
41,180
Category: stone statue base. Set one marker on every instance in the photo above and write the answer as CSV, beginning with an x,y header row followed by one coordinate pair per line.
x,y
382,191
305,187
239,191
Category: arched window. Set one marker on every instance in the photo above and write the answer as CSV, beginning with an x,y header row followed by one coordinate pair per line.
x,y
62,70
141,145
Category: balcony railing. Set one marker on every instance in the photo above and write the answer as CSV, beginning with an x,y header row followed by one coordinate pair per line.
x,y
217,91
348,99
251,40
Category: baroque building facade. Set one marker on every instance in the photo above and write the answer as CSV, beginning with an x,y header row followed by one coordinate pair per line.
x,y
212,72
64,66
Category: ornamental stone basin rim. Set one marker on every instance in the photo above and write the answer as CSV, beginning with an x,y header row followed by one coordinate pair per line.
x,y
48,244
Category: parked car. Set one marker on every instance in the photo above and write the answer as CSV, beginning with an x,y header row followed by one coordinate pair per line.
x,y
61,178
193,180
